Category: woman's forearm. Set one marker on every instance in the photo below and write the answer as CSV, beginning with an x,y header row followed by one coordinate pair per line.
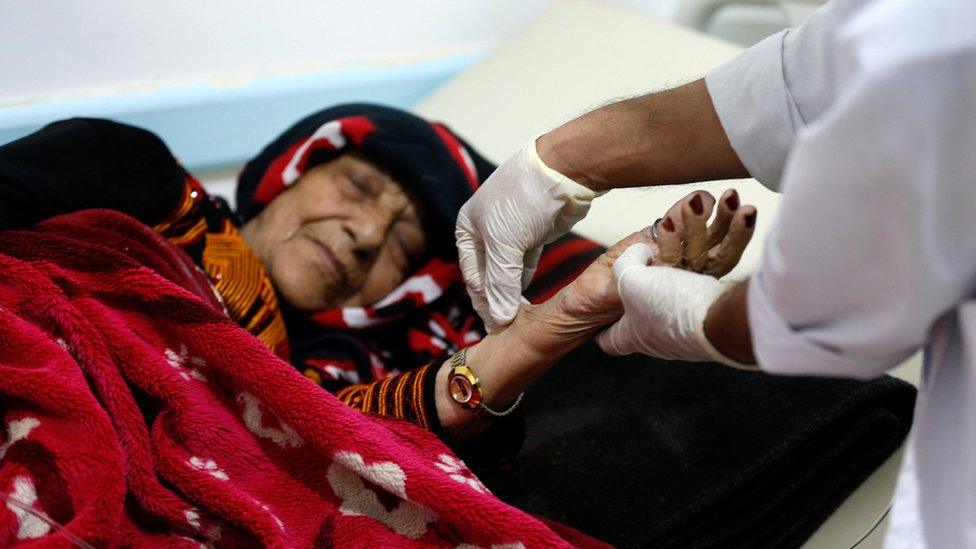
x,y
668,137
507,361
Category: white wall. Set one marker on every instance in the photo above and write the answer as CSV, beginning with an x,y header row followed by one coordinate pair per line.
x,y
57,48
744,22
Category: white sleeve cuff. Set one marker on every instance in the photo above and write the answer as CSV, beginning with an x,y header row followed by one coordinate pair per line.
x,y
781,350
756,109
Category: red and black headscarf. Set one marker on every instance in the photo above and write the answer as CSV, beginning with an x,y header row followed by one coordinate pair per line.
x,y
428,315
428,157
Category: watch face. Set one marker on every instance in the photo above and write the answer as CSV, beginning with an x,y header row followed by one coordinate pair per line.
x,y
461,389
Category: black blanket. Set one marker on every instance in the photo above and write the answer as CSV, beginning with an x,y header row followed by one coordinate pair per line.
x,y
649,453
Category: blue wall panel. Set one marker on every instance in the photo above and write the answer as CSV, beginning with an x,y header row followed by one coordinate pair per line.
x,y
210,126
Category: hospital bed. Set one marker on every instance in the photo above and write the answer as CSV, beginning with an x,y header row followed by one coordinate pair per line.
x,y
577,55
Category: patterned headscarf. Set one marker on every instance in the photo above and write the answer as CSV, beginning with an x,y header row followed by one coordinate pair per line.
x,y
428,316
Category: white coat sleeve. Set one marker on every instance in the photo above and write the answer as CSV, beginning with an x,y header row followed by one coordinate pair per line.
x,y
766,95
875,240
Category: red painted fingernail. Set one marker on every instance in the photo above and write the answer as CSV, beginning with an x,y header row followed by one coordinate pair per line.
x,y
668,224
696,205
732,202
751,220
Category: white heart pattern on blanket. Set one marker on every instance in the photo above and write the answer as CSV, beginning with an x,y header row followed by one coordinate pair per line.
x,y
253,416
459,472
18,430
346,476
21,502
178,361
208,466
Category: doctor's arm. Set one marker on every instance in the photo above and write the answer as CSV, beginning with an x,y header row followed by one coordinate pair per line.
x,y
872,246
741,120
662,138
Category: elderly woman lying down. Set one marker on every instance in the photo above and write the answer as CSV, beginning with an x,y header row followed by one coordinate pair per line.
x,y
340,257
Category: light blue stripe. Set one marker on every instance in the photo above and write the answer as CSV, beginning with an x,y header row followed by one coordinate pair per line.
x,y
211,127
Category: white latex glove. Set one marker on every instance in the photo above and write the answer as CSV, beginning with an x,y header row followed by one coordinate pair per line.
x,y
500,232
664,311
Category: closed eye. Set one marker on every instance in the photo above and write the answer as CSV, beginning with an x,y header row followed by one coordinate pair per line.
x,y
360,185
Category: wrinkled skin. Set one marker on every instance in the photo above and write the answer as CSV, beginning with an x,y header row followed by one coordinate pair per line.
x,y
346,234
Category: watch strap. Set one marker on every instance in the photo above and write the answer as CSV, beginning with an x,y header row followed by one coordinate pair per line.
x,y
483,408
459,360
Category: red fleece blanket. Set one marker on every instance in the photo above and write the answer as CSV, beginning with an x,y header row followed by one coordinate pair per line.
x,y
135,413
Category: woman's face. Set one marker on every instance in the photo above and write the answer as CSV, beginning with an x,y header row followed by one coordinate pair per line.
x,y
345,234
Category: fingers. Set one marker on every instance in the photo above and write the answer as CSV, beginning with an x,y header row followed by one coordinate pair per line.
x,y
726,255
530,263
471,257
496,294
682,233
669,241
480,304
503,281
696,208
613,340
728,204
686,240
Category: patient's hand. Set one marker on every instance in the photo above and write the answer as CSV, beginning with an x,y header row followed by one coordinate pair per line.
x,y
511,357
685,240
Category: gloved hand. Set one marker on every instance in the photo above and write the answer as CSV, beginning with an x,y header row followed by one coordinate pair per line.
x,y
500,232
664,311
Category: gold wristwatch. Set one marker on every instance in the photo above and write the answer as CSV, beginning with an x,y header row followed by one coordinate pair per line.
x,y
465,389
